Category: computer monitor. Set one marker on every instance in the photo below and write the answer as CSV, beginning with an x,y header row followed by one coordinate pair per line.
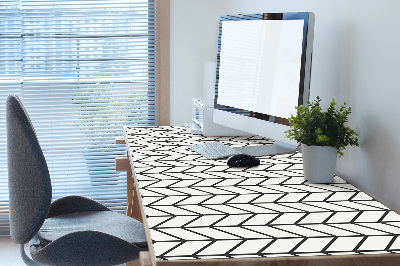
x,y
263,73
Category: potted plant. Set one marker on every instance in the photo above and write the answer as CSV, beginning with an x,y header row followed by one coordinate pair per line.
x,y
97,107
323,135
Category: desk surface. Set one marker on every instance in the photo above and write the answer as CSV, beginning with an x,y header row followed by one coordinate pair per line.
x,y
198,208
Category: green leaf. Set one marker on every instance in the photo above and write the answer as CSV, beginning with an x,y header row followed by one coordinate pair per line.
x,y
312,126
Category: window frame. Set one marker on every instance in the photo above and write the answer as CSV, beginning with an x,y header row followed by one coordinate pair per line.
x,y
163,88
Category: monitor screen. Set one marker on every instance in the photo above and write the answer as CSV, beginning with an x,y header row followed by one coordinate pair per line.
x,y
263,71
260,63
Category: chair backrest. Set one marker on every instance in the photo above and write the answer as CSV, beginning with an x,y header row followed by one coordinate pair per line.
x,y
29,183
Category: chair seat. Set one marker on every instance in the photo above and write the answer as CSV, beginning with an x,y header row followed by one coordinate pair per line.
x,y
107,222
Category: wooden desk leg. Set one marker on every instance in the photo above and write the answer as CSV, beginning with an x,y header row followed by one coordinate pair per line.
x,y
134,209
144,258
122,164
129,192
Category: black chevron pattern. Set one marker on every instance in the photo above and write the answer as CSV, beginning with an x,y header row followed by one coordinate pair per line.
x,y
198,208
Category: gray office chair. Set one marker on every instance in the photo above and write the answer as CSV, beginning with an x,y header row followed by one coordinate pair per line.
x,y
70,231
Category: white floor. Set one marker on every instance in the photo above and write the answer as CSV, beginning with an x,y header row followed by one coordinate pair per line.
x,y
9,253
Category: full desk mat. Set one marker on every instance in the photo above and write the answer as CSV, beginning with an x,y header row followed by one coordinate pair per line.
x,y
198,208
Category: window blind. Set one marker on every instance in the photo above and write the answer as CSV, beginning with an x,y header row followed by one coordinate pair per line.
x,y
83,69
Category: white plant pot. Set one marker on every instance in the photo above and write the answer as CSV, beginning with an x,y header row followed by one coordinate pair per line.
x,y
319,163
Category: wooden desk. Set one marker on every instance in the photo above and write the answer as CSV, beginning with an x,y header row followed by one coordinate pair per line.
x,y
202,212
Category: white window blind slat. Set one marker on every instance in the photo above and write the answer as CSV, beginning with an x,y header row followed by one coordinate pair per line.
x,y
83,69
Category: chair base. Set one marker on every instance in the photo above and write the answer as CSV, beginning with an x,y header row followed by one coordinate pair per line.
x,y
26,259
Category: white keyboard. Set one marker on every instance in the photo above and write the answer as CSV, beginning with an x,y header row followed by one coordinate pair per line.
x,y
214,150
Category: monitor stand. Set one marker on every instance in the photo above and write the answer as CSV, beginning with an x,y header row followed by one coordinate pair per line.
x,y
270,149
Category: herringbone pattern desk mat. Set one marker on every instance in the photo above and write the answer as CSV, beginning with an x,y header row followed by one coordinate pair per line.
x,y
198,208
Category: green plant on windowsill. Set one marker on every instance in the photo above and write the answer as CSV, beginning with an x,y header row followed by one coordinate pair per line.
x,y
313,127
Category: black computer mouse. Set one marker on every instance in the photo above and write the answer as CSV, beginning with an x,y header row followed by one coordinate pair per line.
x,y
242,160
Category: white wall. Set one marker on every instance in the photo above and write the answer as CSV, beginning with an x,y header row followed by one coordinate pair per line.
x,y
194,41
356,59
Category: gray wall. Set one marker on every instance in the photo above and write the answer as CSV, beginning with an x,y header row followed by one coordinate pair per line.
x,y
355,60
